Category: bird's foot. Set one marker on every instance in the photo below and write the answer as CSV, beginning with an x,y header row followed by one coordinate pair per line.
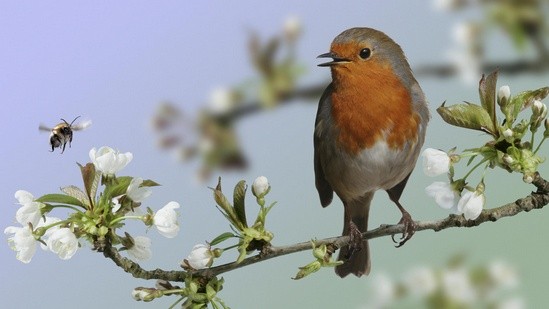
x,y
355,239
409,229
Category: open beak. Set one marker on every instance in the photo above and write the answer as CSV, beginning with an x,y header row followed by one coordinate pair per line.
x,y
336,59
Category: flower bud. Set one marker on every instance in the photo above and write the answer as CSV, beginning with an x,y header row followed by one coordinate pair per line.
x,y
508,133
144,294
537,106
508,159
260,188
504,93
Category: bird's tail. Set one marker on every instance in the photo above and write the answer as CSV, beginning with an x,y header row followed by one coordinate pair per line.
x,y
356,260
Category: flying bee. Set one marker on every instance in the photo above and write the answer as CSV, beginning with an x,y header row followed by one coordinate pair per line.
x,y
61,134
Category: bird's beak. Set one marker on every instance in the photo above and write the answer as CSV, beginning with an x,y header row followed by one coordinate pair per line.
x,y
336,59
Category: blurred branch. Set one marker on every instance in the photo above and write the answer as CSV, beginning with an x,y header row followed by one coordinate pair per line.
x,y
535,200
517,67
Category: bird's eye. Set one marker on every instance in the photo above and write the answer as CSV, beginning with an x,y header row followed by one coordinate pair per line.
x,y
365,53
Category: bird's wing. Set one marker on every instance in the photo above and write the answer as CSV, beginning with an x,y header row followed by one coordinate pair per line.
x,y
324,189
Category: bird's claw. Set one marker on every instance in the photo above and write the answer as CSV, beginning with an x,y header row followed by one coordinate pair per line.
x,y
409,229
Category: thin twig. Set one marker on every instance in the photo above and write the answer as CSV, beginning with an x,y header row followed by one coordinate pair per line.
x,y
535,200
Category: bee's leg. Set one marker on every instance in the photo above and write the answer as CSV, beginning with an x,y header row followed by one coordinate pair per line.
x,y
63,150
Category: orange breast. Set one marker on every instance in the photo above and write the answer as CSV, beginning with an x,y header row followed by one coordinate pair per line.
x,y
369,103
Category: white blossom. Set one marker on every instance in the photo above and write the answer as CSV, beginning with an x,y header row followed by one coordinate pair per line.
x,y
22,241
63,242
470,204
137,193
49,231
201,257
444,195
141,249
30,210
165,220
435,162
109,161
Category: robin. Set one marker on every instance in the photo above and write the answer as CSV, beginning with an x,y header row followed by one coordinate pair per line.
x,y
369,129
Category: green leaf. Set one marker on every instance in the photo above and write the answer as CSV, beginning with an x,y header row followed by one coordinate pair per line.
x,y
226,207
239,196
119,187
90,178
149,183
467,115
525,99
487,91
60,199
221,238
77,193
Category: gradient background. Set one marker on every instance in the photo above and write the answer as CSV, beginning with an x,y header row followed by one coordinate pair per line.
x,y
113,63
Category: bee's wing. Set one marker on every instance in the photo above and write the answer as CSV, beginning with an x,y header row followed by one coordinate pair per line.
x,y
43,127
81,125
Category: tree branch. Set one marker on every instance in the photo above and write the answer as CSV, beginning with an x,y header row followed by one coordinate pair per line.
x,y
535,200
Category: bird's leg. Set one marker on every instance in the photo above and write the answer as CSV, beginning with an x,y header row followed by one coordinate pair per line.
x,y
409,226
355,239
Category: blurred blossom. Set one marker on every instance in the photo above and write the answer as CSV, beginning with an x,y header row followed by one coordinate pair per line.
x,y
468,65
384,291
109,161
444,195
503,274
470,204
435,162
141,249
465,33
222,100
292,28
449,5
206,145
457,285
420,281
466,55
512,303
